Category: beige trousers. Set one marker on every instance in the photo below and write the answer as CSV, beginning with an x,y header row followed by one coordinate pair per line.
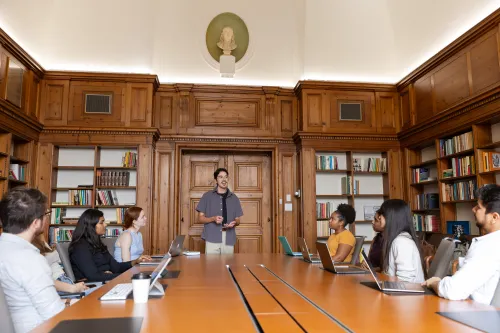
x,y
219,248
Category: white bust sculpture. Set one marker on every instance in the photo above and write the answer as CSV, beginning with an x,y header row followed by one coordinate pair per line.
x,y
226,40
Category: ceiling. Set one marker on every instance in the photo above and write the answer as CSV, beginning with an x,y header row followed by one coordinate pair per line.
x,y
290,40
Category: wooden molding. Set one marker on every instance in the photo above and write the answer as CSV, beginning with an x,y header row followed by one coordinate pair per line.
x,y
104,131
352,86
21,55
6,108
103,77
451,50
248,140
221,89
302,136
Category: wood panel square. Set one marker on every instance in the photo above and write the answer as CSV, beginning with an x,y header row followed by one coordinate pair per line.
x,y
315,110
252,212
484,64
202,175
248,244
248,177
239,113
451,84
193,220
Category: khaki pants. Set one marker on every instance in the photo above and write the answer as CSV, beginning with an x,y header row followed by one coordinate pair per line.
x,y
219,248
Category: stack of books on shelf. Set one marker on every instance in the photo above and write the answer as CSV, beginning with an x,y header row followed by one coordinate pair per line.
x,y
57,235
113,178
455,144
462,166
17,172
371,164
106,198
427,201
421,175
129,160
326,162
491,160
463,190
120,215
80,197
113,232
322,229
57,215
430,223
348,186
324,209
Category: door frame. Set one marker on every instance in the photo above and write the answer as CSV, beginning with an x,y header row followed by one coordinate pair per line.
x,y
247,146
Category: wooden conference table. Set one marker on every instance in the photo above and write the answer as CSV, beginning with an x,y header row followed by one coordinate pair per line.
x,y
272,291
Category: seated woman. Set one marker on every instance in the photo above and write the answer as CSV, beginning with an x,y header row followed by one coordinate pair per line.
x,y
62,281
401,252
90,258
129,245
341,244
375,254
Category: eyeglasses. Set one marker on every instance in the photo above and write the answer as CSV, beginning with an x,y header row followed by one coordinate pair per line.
x,y
47,213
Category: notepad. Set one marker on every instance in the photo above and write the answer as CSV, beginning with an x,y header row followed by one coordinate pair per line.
x,y
103,325
486,321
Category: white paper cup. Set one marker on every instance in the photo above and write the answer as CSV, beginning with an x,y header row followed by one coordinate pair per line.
x,y
140,287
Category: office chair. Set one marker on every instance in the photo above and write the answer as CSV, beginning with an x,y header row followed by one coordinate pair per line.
x,y
495,301
5,319
110,244
438,264
62,249
357,249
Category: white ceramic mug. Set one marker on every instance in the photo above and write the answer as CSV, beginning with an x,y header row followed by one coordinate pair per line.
x,y
140,287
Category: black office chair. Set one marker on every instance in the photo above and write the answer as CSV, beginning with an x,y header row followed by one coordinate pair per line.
x,y
62,249
357,249
5,318
440,262
110,244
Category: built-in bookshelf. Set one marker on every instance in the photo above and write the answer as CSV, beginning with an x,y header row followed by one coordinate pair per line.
x,y
91,177
15,157
356,178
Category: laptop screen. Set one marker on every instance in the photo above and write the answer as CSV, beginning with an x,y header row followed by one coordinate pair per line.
x,y
370,268
159,269
285,244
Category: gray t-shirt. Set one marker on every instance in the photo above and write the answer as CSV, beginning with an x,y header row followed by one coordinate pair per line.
x,y
211,205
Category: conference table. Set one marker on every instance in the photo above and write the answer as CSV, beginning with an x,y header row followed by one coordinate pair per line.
x,y
268,293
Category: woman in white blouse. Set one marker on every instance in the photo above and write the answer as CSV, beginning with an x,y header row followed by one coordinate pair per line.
x,y
401,251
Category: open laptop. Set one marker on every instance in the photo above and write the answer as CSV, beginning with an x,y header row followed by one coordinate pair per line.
x,y
287,248
122,290
337,268
311,258
174,251
393,286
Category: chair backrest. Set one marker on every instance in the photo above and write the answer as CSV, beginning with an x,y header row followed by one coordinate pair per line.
x,y
62,249
357,249
495,301
444,255
5,318
110,244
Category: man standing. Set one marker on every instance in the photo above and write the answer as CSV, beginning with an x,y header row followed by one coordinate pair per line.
x,y
220,211
25,275
479,273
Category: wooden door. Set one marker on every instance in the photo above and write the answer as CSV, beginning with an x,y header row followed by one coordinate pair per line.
x,y
249,179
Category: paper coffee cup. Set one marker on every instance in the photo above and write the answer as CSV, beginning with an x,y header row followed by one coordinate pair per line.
x,y
140,287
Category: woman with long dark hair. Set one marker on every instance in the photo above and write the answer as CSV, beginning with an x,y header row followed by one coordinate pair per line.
x,y
90,258
401,251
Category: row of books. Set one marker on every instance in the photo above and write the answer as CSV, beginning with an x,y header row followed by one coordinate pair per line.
x,y
129,160
17,172
113,232
324,209
464,190
420,175
106,198
79,197
371,164
456,144
427,201
348,186
322,229
491,160
327,162
461,166
430,223
58,235
112,178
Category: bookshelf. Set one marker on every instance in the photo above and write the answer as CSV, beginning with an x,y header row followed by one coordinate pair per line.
x,y
15,161
85,177
353,177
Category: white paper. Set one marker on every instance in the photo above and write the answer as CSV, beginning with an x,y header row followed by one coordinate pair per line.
x,y
281,201
288,197
288,207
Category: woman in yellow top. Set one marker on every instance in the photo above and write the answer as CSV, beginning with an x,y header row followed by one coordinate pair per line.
x,y
342,242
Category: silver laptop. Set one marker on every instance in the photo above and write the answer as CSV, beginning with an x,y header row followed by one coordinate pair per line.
x,y
337,268
393,286
287,248
122,290
174,251
311,258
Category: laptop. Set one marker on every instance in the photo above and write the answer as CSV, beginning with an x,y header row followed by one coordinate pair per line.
x,y
311,258
174,251
336,267
122,290
393,286
287,248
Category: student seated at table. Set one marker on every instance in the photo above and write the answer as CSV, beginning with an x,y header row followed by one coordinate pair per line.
x,y
341,244
25,275
479,273
62,281
401,252
90,258
129,245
